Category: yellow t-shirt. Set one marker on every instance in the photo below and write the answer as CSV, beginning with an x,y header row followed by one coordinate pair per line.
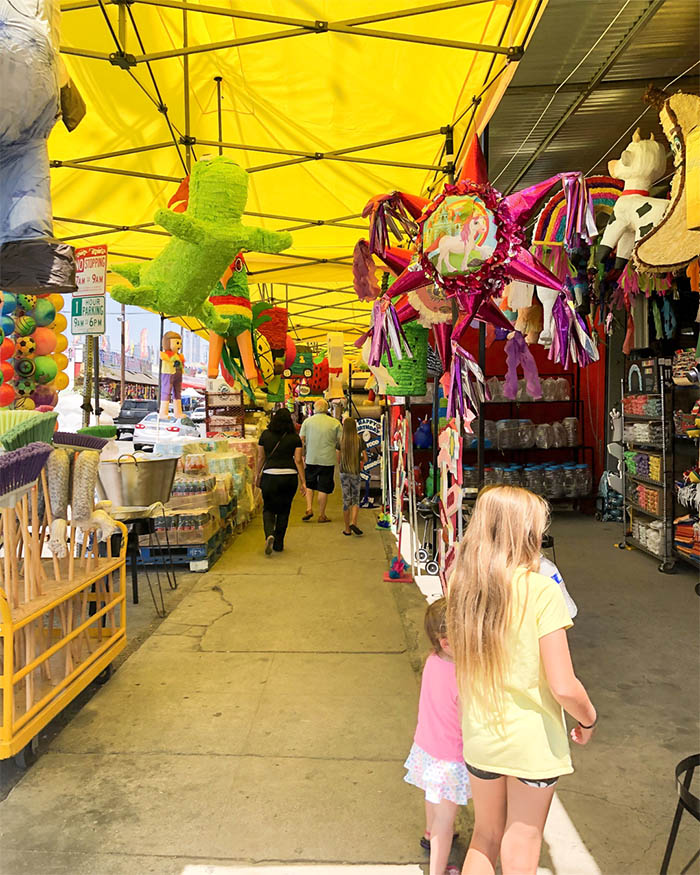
x,y
531,741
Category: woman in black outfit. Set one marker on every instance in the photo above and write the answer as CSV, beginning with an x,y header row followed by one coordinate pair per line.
x,y
279,461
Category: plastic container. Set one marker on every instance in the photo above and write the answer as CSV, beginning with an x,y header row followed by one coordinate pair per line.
x,y
553,481
526,434
513,475
584,480
573,431
569,481
489,477
470,476
507,434
533,479
544,436
558,434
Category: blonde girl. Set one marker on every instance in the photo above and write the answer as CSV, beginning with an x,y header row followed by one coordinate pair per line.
x,y
507,628
435,763
351,457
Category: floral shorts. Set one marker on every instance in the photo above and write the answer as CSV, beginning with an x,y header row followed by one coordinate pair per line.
x,y
440,779
350,484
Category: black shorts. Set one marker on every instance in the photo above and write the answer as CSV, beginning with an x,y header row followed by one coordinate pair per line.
x,y
320,478
530,782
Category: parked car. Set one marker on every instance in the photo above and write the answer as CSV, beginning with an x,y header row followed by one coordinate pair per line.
x,y
152,430
132,411
199,414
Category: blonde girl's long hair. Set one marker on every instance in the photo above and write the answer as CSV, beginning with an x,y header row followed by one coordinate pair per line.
x,y
350,447
504,533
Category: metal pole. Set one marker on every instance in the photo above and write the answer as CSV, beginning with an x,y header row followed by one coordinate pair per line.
x,y
480,448
96,357
160,362
122,388
186,89
218,80
87,381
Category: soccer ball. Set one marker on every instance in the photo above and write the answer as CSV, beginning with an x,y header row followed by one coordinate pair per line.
x,y
25,387
24,368
26,302
26,346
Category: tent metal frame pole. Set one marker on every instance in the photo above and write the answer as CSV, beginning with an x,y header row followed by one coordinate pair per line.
x,y
408,13
118,153
592,85
134,173
219,116
186,90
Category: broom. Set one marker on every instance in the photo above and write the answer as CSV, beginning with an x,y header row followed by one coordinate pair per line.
x,y
36,428
103,431
19,471
10,418
74,441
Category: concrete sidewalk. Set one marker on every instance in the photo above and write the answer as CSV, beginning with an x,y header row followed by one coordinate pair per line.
x,y
266,720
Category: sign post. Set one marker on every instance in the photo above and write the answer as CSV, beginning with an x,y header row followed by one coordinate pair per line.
x,y
88,313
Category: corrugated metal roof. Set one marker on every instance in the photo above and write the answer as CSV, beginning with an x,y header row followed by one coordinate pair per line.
x,y
666,46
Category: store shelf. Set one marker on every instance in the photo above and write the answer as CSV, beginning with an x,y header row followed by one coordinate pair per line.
x,y
643,547
641,417
642,479
686,557
541,401
639,509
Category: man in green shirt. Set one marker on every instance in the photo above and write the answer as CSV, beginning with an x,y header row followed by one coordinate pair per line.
x,y
320,435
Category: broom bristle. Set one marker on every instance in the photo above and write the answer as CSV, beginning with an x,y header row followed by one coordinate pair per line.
x,y
78,441
103,431
27,431
19,470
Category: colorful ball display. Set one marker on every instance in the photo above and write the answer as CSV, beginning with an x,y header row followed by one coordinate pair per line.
x,y
25,387
45,341
61,381
24,325
61,361
25,346
25,368
56,300
7,349
9,302
44,312
7,323
46,369
44,396
7,372
7,395
61,343
59,324
27,302
24,402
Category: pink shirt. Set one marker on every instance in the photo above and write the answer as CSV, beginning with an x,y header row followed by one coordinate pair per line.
x,y
439,730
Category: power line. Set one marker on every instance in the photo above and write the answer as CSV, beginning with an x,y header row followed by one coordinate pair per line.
x,y
557,89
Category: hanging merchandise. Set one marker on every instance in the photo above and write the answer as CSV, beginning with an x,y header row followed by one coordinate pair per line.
x,y
410,374
207,236
36,93
171,369
468,241
635,213
675,241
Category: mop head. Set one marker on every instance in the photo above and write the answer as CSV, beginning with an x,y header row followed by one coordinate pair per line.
x,y
384,521
398,570
58,542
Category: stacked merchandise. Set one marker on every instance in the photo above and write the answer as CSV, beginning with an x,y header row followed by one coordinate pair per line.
x,y
648,498
570,480
684,360
641,464
553,389
648,434
642,405
649,534
523,434
686,530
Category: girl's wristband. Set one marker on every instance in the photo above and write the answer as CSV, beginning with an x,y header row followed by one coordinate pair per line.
x,y
588,727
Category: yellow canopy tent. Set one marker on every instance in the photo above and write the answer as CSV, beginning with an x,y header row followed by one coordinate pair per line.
x,y
324,102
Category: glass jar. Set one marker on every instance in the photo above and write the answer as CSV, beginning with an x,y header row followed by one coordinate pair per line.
x,y
569,480
553,483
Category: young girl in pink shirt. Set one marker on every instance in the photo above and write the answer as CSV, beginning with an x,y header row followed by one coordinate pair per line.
x,y
436,761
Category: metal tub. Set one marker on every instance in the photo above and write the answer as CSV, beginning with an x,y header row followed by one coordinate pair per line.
x,y
136,481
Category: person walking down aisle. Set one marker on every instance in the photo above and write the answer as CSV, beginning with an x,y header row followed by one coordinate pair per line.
x,y
435,763
319,434
507,628
279,462
352,457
